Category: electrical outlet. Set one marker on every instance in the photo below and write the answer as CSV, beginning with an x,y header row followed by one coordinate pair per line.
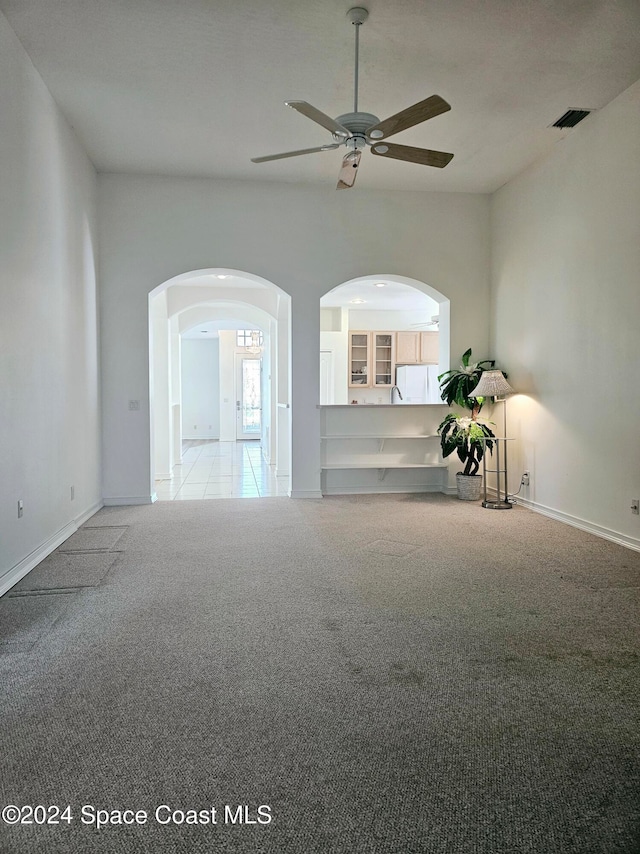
x,y
20,509
635,506
134,405
525,479
73,492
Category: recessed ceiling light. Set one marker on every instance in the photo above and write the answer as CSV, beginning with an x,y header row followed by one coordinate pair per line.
x,y
358,301
221,276
380,284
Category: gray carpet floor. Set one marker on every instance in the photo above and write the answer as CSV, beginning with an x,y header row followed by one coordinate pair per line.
x,y
401,673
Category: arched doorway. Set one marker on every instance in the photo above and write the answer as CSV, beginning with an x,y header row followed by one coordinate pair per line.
x,y
414,314
384,340
196,364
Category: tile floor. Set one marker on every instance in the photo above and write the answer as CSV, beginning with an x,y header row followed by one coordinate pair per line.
x,y
211,469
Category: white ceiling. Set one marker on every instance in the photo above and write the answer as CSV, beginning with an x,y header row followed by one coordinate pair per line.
x,y
394,296
196,87
211,328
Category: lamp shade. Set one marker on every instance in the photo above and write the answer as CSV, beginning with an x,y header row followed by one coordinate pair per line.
x,y
492,384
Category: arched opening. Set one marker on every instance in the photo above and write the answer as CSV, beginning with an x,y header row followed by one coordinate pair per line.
x,y
384,340
219,345
413,318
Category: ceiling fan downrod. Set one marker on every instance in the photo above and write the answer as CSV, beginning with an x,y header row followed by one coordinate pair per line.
x,y
358,15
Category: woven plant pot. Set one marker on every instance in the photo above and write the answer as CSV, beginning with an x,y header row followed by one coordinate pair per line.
x,y
469,486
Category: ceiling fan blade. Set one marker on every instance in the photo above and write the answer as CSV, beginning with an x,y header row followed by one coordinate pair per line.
x,y
349,171
414,155
295,153
420,112
319,117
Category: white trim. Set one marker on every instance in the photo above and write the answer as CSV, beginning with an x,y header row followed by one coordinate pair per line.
x,y
12,576
164,476
118,501
305,493
91,511
599,531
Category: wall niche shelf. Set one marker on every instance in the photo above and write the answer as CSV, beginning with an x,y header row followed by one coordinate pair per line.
x,y
381,448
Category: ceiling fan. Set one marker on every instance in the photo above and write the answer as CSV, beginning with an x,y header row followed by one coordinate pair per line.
x,y
435,320
356,130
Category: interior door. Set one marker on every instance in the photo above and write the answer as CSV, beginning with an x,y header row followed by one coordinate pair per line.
x,y
248,397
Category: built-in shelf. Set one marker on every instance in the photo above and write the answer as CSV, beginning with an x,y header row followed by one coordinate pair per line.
x,y
380,436
355,465
360,441
381,468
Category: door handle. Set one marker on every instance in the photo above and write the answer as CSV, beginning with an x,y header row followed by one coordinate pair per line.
x,y
238,405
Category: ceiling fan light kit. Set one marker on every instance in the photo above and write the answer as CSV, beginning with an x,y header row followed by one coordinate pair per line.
x,y
357,130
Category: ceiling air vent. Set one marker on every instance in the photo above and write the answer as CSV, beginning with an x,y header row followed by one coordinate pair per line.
x,y
571,118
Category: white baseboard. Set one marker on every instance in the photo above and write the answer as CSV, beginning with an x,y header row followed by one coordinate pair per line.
x,y
13,575
204,439
91,511
583,524
305,493
119,501
18,571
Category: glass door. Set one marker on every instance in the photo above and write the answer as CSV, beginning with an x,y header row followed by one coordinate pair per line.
x,y
249,398
359,359
383,358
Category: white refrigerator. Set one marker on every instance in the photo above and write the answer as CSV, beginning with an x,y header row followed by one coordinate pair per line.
x,y
418,383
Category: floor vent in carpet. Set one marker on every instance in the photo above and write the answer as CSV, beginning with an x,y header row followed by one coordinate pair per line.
x,y
391,548
64,571
93,539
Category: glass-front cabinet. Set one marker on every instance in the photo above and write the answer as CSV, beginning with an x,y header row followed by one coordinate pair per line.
x,y
383,358
359,352
371,359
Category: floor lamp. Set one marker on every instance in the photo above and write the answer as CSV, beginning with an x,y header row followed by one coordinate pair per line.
x,y
493,384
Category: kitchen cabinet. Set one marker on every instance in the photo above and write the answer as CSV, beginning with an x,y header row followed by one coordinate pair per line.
x,y
416,348
359,359
372,359
429,349
408,348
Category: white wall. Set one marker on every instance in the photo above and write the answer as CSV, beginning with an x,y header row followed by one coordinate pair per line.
x,y
566,320
153,228
227,375
368,320
337,344
160,361
50,419
200,388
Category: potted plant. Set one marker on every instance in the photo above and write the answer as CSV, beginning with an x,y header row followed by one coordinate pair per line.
x,y
465,434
